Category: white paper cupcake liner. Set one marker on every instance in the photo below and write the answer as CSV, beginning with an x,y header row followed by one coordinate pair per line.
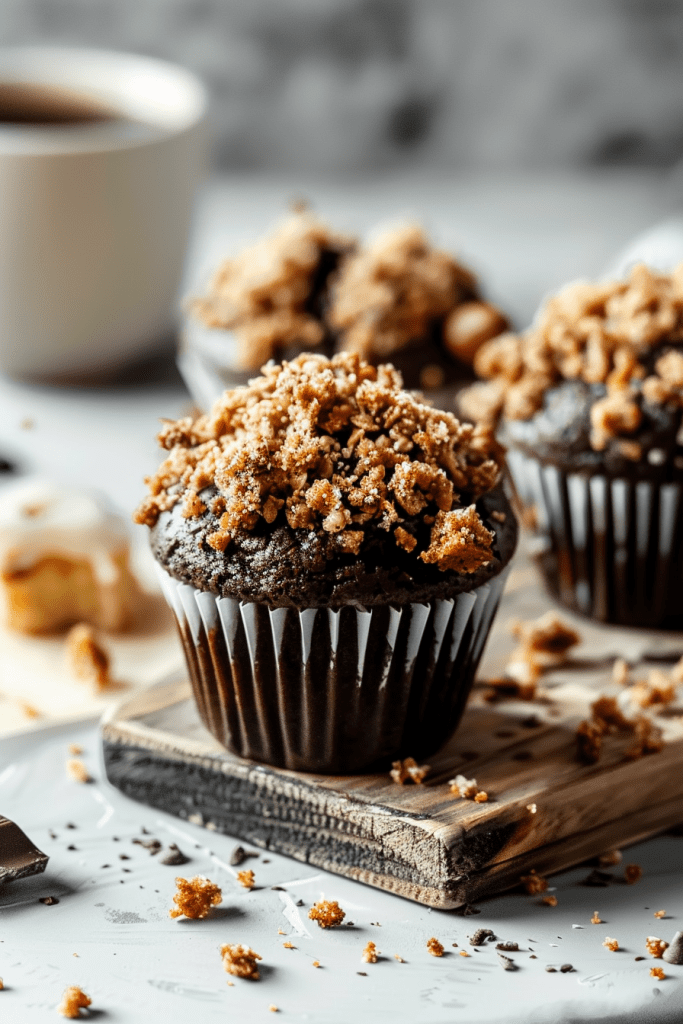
x,y
334,691
609,547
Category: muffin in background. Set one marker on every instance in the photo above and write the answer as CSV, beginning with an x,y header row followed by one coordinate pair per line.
x,y
334,552
589,404
269,301
400,300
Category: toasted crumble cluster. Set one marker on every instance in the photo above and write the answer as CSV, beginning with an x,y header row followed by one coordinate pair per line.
x,y
659,913
246,879
195,897
394,289
467,789
659,687
596,919
534,883
77,771
607,717
655,946
327,913
611,944
240,961
88,659
657,972
543,644
435,947
408,770
600,333
73,1000
369,954
263,294
331,445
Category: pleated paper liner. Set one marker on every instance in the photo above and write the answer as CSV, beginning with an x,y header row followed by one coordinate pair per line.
x,y
332,691
609,547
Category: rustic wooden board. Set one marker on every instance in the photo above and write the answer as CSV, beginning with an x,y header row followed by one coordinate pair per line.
x,y
418,841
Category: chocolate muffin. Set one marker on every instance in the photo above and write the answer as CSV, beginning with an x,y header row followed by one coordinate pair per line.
x,y
589,404
268,302
334,551
402,301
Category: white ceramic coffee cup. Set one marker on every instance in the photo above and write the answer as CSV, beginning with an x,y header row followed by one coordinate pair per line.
x,y
94,219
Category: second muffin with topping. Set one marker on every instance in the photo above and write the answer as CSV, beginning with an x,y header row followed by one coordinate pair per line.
x,y
334,551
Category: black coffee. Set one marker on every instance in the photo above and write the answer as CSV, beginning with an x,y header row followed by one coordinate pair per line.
x,y
50,105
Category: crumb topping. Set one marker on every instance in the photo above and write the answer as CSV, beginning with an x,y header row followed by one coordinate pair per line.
x,y
409,770
655,946
87,657
246,879
331,445
611,944
240,961
369,955
600,333
435,947
195,897
657,972
393,290
264,293
73,1000
327,913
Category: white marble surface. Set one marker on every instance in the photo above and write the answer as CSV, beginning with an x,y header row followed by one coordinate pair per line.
x,y
525,236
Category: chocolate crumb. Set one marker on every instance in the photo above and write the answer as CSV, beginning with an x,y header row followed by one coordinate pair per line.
x,y
508,947
237,856
174,855
49,901
480,936
72,847
639,958
551,970
124,856
566,968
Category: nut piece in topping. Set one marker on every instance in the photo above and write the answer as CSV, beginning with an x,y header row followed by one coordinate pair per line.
x,y
655,946
369,955
72,1001
327,913
611,944
77,771
408,770
633,873
240,961
657,972
435,947
88,660
246,879
533,883
195,897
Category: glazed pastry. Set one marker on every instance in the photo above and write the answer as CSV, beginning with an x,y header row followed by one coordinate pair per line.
x,y
334,552
63,559
589,404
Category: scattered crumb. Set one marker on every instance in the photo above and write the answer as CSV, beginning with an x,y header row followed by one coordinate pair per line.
x,y
287,945
633,873
88,660
195,898
2,984
648,739
237,856
327,913
77,770
480,936
549,901
30,710
506,963
27,423
173,856
435,947
566,968
620,671
463,952
531,808
657,972
408,770
246,879
596,919
316,963
505,687
588,742
240,961
611,944
660,913
273,1008
467,789
655,947
49,901
281,932
399,958
657,689
609,859
369,955
75,748
72,1001
534,883
508,947
481,797
551,970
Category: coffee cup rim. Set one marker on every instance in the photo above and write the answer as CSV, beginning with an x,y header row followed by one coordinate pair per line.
x,y
164,96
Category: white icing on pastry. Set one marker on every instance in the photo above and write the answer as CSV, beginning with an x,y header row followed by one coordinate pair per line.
x,y
40,519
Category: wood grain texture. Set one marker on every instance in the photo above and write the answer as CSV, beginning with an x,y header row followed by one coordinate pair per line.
x,y
420,841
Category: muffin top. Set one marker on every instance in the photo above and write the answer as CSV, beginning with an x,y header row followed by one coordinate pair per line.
x,y
597,381
272,294
324,483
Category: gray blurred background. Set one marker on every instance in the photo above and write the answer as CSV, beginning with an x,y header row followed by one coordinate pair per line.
x,y
354,85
